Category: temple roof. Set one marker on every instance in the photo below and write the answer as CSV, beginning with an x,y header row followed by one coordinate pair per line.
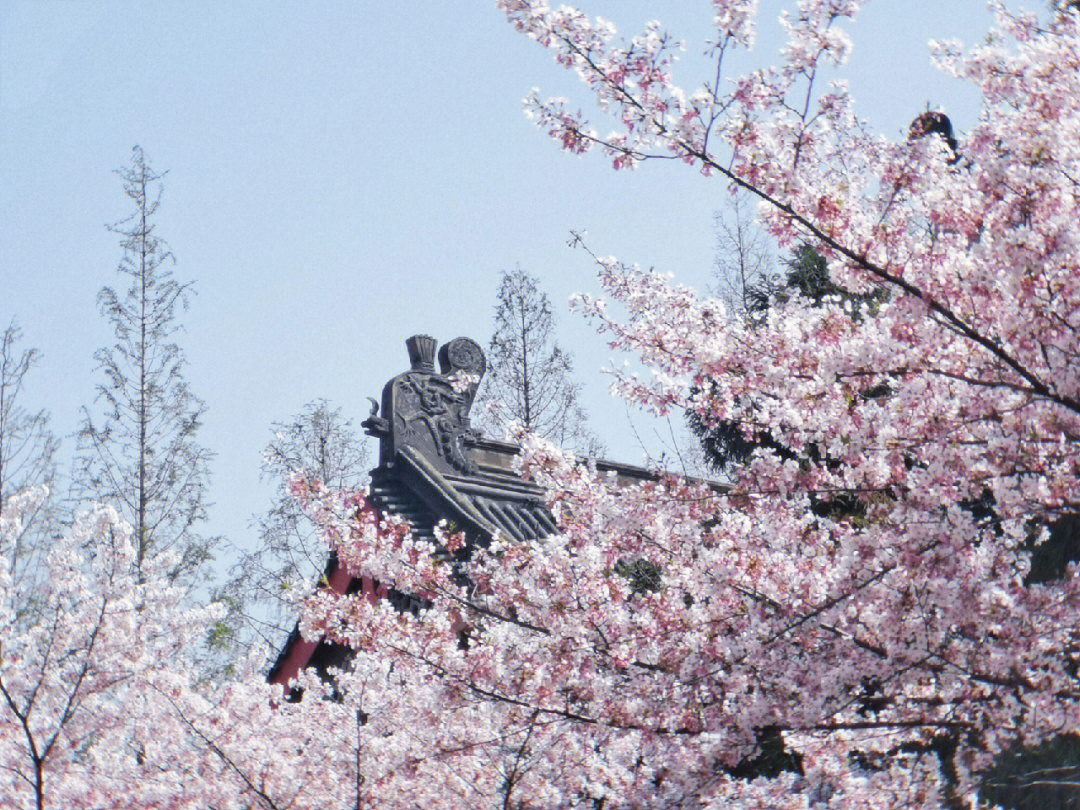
x,y
433,466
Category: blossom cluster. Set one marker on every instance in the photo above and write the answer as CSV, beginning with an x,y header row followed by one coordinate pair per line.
x,y
855,600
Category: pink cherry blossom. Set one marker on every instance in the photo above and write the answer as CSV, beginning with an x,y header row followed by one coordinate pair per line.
x,y
861,639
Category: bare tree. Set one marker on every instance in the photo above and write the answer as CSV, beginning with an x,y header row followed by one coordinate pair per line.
x,y
141,453
745,269
530,377
317,443
27,459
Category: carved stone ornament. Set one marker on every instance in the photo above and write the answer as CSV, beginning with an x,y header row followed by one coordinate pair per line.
x,y
422,408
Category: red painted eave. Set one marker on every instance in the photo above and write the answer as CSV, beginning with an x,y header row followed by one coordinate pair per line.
x,y
300,651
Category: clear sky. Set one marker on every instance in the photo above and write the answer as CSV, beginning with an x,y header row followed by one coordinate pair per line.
x,y
343,174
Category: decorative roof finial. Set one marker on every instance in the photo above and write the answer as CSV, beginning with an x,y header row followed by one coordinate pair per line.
x,y
421,352
462,354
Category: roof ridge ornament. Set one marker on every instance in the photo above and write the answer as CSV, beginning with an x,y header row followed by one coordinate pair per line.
x,y
421,350
424,409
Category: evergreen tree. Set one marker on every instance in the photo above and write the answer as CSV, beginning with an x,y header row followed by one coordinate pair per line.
x,y
141,452
807,275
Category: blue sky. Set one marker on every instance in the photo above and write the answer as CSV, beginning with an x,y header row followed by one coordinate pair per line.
x,y
341,176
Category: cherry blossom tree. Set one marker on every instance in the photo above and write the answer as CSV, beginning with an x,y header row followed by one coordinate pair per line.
x,y
79,717
892,648
102,704
786,655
